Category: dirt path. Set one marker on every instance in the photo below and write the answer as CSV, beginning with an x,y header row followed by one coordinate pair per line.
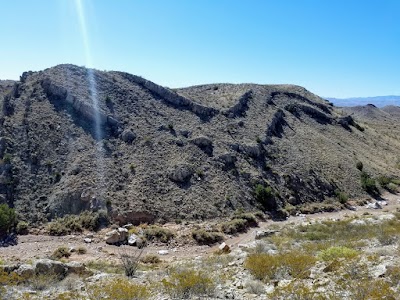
x,y
31,247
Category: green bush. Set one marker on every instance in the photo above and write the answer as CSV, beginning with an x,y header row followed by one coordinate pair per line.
x,y
8,219
204,237
334,253
187,284
118,289
341,196
234,226
368,183
265,196
22,227
61,252
76,223
266,266
158,233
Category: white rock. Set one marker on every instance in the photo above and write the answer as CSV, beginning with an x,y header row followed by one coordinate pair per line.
x,y
87,240
163,252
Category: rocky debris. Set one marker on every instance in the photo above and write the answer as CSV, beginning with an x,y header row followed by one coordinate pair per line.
x,y
87,240
181,173
61,97
26,271
48,266
128,136
239,110
275,127
224,248
228,159
116,236
260,234
204,144
296,109
132,239
172,97
374,205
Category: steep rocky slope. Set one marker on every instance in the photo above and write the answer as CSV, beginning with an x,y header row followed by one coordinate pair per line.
x,y
159,154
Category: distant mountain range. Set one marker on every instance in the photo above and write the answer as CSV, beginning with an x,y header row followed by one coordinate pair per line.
x,y
379,101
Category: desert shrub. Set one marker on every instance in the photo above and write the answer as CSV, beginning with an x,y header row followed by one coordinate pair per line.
x,y
234,226
22,227
266,266
8,219
118,289
341,196
334,253
204,237
61,252
384,181
368,183
81,250
9,278
161,234
40,282
130,260
250,218
188,283
359,165
7,158
263,194
150,259
76,223
367,288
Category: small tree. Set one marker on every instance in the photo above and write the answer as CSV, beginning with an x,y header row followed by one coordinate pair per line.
x,y
8,219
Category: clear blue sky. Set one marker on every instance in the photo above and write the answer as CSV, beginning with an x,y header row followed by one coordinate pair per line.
x,y
337,48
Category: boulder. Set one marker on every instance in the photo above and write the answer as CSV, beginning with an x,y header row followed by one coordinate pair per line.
x,y
181,173
163,252
132,239
123,233
128,136
224,248
116,236
25,271
48,266
76,268
87,240
259,234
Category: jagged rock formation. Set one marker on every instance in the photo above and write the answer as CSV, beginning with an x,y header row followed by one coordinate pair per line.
x,y
196,152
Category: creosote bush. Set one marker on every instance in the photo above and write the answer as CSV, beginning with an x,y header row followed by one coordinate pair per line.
x,y
155,232
8,219
239,223
204,237
266,266
188,283
118,289
334,253
368,183
263,194
77,223
61,252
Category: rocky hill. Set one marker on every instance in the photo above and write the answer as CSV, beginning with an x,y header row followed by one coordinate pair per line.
x,y
151,153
